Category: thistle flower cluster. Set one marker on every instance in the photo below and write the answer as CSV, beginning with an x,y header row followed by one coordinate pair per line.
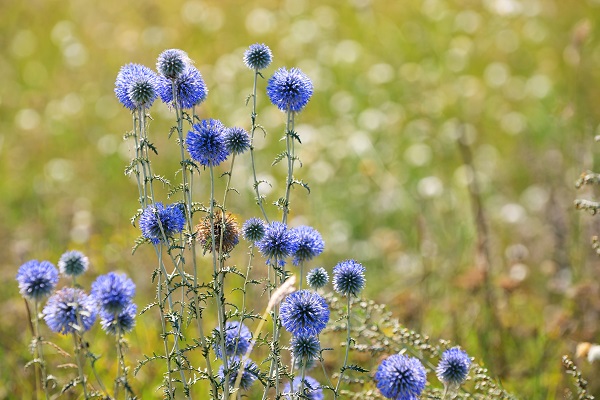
x,y
37,279
113,294
159,223
237,340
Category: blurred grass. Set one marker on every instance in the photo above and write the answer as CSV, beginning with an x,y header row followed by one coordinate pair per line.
x,y
392,82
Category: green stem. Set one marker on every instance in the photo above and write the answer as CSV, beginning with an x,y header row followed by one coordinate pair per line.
x,y
79,364
336,392
259,199
40,350
289,146
163,323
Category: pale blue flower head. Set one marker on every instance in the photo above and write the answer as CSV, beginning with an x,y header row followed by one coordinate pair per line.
x,y
278,242
69,310
317,278
310,244
237,140
312,389
37,279
400,377
254,229
113,292
136,86
349,278
237,340
249,375
258,56
156,219
305,349
172,62
189,88
304,313
73,263
453,367
123,321
289,90
206,142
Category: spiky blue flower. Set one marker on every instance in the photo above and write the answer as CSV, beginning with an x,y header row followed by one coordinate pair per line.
x,y
122,322
312,389
289,90
37,279
136,86
348,278
206,142
190,88
310,244
278,242
304,313
305,348
73,263
453,367
237,340
254,229
69,310
237,140
258,56
249,375
157,219
113,292
400,377
172,62
317,278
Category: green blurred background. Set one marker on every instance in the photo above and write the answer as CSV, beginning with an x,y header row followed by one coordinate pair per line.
x,y
396,83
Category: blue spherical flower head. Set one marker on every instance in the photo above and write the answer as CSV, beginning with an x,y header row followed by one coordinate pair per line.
x,y
122,322
73,263
254,229
317,278
310,244
157,219
113,292
305,349
304,313
401,377
37,279
453,367
190,88
237,140
136,86
258,56
172,62
206,142
249,375
69,310
348,278
278,242
289,90
311,391
237,340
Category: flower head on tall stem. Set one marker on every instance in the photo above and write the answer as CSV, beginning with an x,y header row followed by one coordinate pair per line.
x,y
453,367
172,62
317,278
237,140
278,242
348,278
311,389
249,374
310,244
69,310
237,340
289,90
136,86
254,229
305,349
157,219
206,142
258,56
113,292
230,232
189,86
400,377
123,321
73,263
304,313
37,279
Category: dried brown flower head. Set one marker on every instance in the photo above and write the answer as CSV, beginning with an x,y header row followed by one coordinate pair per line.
x,y
230,232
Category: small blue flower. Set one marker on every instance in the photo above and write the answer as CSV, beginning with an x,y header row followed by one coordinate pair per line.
x,y
317,278
311,391
249,375
258,56
348,278
237,340
237,140
453,367
310,244
304,313
69,310
305,348
113,292
172,62
279,242
136,86
73,263
400,377
37,279
190,87
206,142
289,90
123,322
254,229
156,219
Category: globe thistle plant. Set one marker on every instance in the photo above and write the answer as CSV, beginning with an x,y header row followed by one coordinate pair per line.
x,y
206,142
237,140
249,374
172,63
289,90
311,389
73,263
37,279
401,377
304,313
237,340
113,292
189,87
453,367
305,349
254,229
123,321
317,278
348,278
69,310
229,229
258,56
136,86
310,244
159,222
278,242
